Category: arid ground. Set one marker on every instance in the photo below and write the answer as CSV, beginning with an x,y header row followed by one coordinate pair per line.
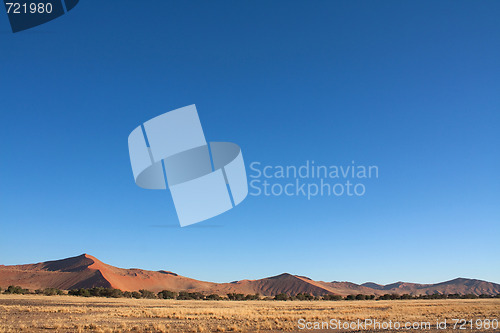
x,y
30,313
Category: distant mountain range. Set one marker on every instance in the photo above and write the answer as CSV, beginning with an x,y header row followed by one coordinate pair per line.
x,y
85,271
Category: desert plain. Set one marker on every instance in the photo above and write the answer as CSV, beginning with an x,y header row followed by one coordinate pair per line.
x,y
39,313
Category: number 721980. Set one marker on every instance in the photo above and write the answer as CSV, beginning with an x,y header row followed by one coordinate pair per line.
x,y
485,324
32,8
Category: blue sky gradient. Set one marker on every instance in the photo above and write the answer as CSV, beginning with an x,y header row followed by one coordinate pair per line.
x,y
412,87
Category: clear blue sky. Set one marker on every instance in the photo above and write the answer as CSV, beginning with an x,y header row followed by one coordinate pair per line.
x,y
412,87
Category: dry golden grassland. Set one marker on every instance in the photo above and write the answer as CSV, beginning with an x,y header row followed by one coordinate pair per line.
x,y
30,313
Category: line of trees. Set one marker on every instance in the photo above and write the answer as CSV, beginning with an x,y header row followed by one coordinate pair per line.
x,y
19,290
184,295
362,297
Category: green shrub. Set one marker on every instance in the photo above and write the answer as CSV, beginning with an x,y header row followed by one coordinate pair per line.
x,y
213,297
389,296
360,297
52,291
235,297
303,297
16,290
167,294
97,291
184,295
115,293
80,292
281,297
147,294
252,297
332,297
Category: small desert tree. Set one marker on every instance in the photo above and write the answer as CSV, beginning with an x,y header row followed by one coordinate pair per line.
x,y
236,297
167,294
332,297
251,297
147,294
213,297
16,290
80,292
52,291
281,297
115,293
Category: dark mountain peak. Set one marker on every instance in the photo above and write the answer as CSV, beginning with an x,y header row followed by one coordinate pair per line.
x,y
460,281
282,276
373,285
168,273
304,277
72,264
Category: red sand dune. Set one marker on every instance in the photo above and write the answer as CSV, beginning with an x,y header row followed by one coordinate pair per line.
x,y
85,271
